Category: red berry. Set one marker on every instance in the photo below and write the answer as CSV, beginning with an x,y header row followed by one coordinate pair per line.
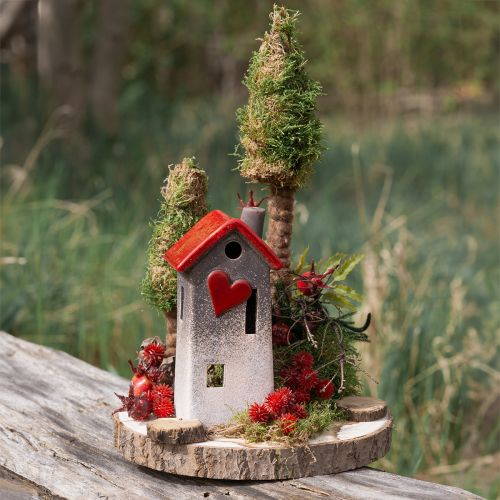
x,y
140,384
303,359
259,413
287,423
324,388
277,402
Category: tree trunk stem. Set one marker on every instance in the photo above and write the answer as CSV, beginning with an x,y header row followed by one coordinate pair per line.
x,y
279,230
171,323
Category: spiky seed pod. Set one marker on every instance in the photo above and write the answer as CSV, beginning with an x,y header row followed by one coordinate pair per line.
x,y
278,401
163,391
299,410
290,376
153,354
287,423
303,360
259,413
324,389
302,396
163,406
279,132
307,380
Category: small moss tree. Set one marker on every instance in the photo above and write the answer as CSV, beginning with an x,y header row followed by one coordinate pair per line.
x,y
279,131
184,203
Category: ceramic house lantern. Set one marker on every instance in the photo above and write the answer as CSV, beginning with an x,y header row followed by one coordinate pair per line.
x,y
223,317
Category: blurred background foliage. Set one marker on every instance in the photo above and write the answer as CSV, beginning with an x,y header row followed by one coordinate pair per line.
x,y
99,97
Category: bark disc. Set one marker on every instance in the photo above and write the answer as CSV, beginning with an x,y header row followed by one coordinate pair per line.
x,y
344,447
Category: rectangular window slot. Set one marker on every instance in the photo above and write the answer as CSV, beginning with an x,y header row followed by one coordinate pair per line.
x,y
215,376
181,314
251,313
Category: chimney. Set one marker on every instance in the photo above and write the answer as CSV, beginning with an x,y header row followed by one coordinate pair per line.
x,y
253,217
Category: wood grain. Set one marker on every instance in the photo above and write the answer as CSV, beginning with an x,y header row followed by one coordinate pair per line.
x,y
56,438
363,409
235,459
172,431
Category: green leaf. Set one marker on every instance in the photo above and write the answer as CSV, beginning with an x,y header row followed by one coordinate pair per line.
x,y
347,266
333,261
338,300
348,292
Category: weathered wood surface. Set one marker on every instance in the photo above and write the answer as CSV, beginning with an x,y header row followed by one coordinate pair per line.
x,y
56,441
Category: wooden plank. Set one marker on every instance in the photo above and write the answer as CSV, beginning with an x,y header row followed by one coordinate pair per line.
x,y
56,438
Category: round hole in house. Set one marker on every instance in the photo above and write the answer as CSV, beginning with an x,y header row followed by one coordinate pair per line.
x,y
233,249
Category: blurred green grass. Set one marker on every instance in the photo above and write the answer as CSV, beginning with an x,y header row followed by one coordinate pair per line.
x,y
418,196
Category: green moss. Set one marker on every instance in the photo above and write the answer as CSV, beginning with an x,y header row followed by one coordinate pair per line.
x,y
322,415
184,203
278,128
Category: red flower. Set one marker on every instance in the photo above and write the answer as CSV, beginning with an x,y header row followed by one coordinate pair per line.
x,y
287,423
324,388
311,283
153,353
259,413
308,379
277,402
299,411
304,360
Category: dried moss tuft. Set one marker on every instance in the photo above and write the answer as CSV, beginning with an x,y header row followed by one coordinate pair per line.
x,y
184,203
322,416
278,128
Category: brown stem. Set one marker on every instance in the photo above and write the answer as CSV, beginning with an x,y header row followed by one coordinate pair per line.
x,y
279,230
171,322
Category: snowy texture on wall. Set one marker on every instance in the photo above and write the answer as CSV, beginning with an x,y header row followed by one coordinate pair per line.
x,y
224,319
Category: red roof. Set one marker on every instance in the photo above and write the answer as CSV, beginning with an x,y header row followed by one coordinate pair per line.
x,y
206,233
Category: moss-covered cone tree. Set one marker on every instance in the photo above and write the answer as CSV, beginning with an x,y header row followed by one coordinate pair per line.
x,y
279,131
184,203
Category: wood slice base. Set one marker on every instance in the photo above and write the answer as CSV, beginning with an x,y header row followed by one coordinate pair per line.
x,y
341,448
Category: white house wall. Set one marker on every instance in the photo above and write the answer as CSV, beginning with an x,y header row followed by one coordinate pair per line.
x,y
203,339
